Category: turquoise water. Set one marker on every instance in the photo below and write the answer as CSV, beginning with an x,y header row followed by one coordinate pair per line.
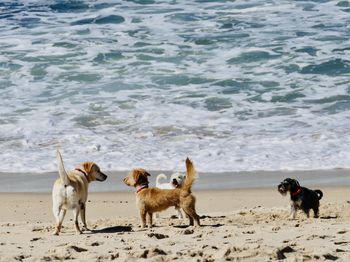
x,y
235,85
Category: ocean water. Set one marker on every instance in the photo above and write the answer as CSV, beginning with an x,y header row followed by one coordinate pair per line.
x,y
235,85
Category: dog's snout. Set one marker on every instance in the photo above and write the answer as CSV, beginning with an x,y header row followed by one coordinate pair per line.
x,y
101,177
126,180
104,176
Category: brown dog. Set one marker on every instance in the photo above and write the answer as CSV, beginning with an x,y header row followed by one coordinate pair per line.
x,y
151,200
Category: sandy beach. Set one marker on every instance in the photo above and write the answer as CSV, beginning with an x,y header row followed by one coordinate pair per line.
x,y
237,224
253,92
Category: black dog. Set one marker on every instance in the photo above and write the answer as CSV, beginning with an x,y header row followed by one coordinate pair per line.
x,y
302,197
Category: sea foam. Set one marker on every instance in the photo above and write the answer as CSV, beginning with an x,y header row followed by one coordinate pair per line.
x,y
235,86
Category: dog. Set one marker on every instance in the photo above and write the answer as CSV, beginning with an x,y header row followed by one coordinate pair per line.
x,y
70,191
301,197
176,180
151,200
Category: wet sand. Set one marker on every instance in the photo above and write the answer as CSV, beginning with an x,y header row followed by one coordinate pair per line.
x,y
42,182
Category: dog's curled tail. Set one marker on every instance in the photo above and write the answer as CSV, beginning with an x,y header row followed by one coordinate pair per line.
x,y
319,193
191,175
61,170
160,177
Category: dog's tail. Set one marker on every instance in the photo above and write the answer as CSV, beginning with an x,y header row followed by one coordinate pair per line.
x,y
160,177
191,175
319,193
63,174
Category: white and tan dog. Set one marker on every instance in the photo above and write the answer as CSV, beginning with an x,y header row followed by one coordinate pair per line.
x,y
70,191
176,181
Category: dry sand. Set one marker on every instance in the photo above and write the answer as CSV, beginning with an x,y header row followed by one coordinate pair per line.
x,y
238,224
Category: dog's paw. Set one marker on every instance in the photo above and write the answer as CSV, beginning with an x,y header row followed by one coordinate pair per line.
x,y
86,229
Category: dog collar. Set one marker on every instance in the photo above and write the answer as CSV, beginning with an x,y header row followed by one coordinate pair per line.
x,y
297,192
81,171
138,189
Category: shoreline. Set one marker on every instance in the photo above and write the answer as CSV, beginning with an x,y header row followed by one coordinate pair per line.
x,y
43,182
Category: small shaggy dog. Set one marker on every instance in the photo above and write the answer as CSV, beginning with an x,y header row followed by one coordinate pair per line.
x,y
301,197
176,180
151,200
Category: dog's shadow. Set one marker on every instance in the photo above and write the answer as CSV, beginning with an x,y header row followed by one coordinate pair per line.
x,y
188,226
115,229
205,225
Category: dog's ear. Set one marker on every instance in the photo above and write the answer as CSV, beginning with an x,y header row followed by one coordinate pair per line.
x,y
140,176
88,167
296,182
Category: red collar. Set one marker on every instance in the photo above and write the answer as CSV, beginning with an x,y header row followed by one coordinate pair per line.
x,y
139,188
81,171
297,192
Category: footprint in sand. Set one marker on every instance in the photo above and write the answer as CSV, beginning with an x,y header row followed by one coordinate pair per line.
x,y
188,232
280,252
35,239
342,232
77,249
249,232
157,235
330,257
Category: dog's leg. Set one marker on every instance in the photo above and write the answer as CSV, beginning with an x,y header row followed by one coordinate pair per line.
x,y
307,212
59,214
179,213
157,215
191,220
61,217
82,216
193,216
196,218
150,219
56,213
293,211
143,218
315,209
189,217
76,223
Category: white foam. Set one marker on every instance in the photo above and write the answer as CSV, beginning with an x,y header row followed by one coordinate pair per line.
x,y
127,119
